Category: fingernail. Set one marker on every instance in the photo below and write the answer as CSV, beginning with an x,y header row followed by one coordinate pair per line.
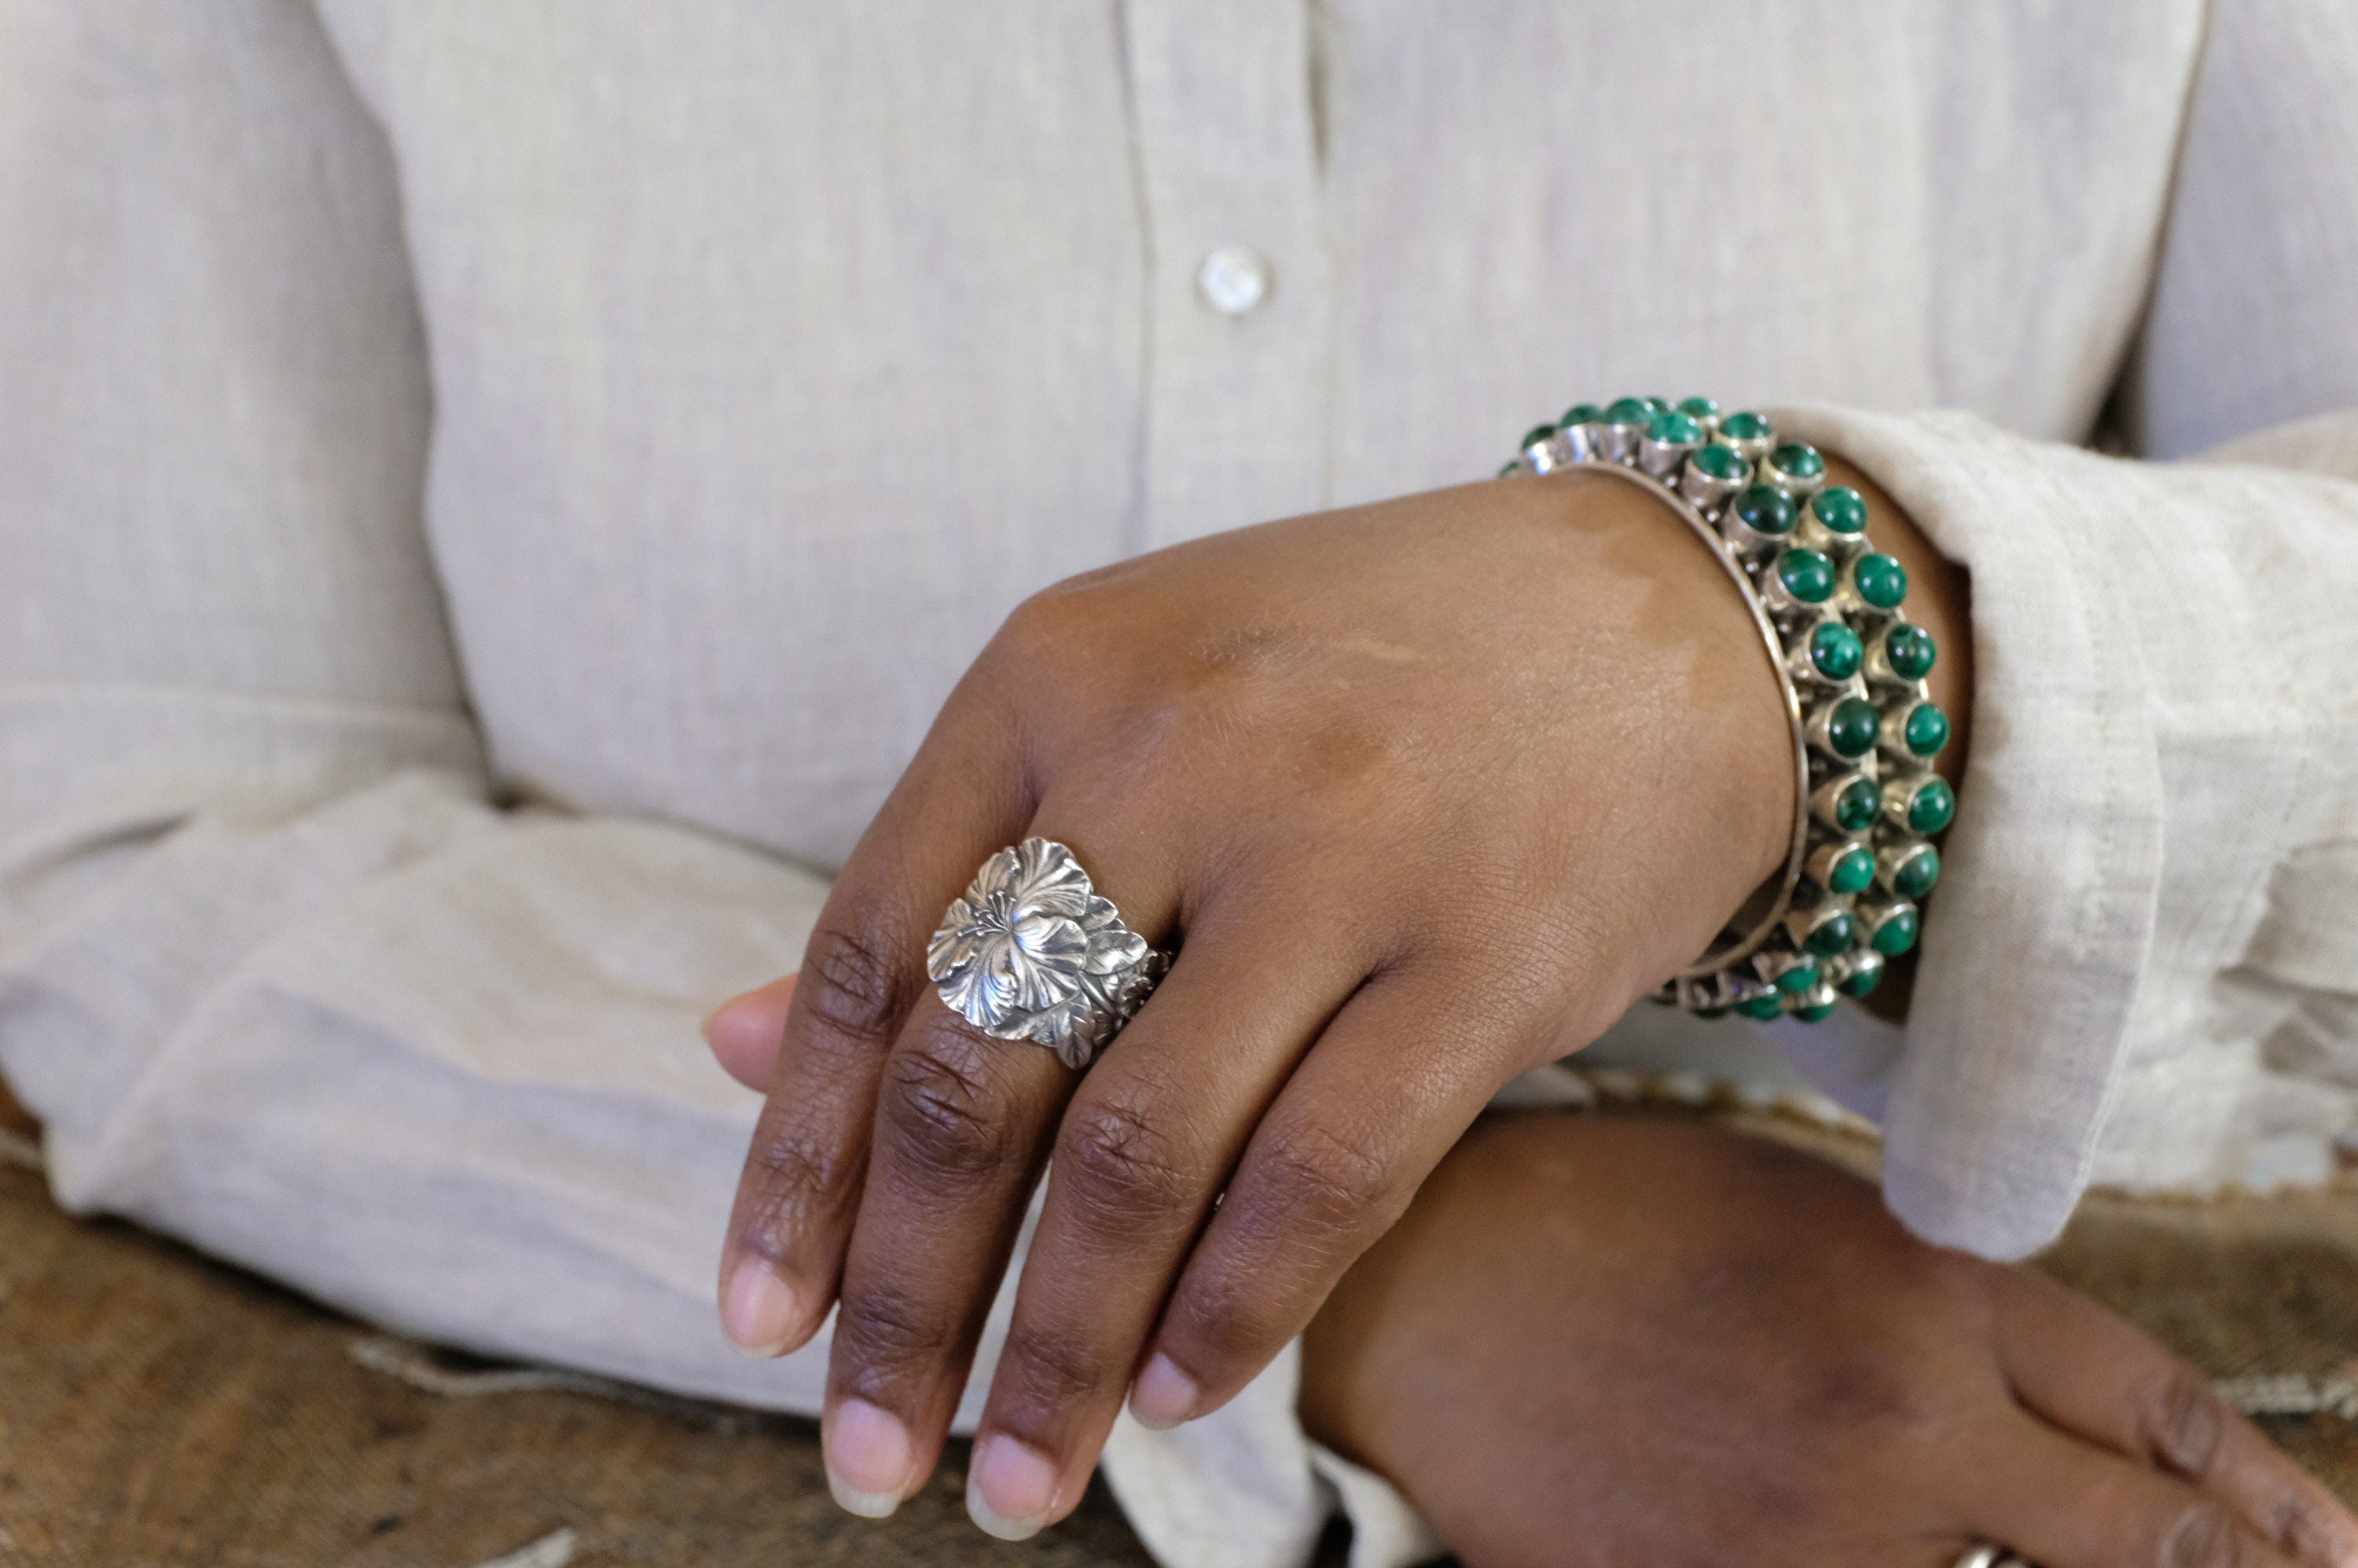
x,y
1010,1488
759,1312
867,1459
1163,1396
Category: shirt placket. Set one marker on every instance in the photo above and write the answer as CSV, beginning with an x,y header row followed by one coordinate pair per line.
x,y
1239,303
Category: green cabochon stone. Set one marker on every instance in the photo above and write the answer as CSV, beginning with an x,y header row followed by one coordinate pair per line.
x,y
1841,509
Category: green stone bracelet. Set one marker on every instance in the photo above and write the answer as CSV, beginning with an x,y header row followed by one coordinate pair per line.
x,y
1852,666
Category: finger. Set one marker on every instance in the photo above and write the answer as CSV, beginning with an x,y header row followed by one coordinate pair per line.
x,y
1140,1156
961,1121
962,1125
960,802
2094,1373
1387,1090
747,1033
2064,1502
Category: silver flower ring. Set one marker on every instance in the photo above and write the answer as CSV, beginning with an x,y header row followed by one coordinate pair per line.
x,y
1032,953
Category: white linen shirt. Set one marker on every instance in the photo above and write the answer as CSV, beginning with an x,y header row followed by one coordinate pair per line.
x,y
492,491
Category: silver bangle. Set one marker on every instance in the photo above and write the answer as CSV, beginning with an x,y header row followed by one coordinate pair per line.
x,y
1851,667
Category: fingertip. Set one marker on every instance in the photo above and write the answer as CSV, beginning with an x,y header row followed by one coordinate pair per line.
x,y
761,1314
870,1456
1163,1397
746,1033
1011,1489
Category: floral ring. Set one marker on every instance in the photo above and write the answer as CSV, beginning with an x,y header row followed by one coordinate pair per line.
x,y
1032,953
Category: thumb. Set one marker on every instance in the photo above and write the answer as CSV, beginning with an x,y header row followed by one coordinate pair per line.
x,y
747,1032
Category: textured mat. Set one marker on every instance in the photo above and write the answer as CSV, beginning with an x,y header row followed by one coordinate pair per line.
x,y
157,1408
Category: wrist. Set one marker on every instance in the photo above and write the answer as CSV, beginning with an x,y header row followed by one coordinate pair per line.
x,y
1731,713
1865,725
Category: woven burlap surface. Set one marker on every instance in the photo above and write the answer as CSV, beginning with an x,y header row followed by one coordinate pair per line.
x,y
158,1409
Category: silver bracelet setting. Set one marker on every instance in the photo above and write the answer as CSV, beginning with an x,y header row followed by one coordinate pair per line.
x,y
1851,667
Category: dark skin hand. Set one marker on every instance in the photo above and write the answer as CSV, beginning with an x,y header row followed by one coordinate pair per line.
x,y
1622,1340
1612,1341
1428,792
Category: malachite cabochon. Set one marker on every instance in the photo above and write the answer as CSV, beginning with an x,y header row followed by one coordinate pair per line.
x,y
1858,806
1841,509
1880,579
1927,729
1798,458
1851,873
1930,808
1909,650
1897,932
1917,873
1835,651
1744,426
1720,461
1582,413
1807,575
1627,411
1674,429
1852,727
1765,509
1830,935
1698,407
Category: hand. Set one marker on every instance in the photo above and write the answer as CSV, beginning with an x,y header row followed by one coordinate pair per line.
x,y
1612,1340
1431,790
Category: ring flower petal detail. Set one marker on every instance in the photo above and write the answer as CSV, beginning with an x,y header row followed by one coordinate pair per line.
x,y
1032,952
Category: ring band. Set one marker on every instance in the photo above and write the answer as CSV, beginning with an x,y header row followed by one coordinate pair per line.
x,y
1032,952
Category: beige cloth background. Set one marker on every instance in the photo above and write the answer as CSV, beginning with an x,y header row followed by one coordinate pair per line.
x,y
491,491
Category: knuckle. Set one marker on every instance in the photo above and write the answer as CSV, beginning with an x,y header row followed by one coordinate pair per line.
x,y
851,987
2202,1535
2185,1423
794,1179
1160,733
1228,1318
940,1109
1872,1401
1120,1161
1051,625
1323,1180
1055,1370
883,1330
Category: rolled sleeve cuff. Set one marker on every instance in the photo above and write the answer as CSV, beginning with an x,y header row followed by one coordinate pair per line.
x,y
2034,948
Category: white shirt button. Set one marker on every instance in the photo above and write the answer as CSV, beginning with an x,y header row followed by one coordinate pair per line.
x,y
1234,279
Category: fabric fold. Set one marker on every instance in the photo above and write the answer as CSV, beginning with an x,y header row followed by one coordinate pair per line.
x,y
2034,944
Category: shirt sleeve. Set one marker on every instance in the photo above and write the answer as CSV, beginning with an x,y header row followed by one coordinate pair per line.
x,y
2141,967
